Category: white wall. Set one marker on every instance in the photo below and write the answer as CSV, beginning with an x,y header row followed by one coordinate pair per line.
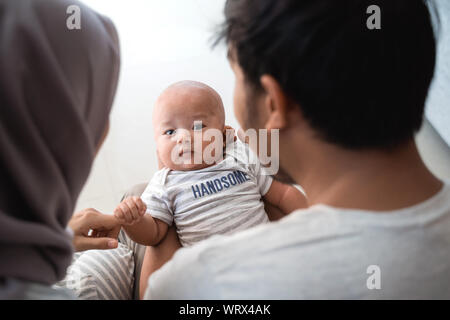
x,y
162,41
438,103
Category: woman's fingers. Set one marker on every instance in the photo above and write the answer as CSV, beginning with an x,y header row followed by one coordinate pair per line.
x,y
94,230
113,232
81,222
87,243
96,220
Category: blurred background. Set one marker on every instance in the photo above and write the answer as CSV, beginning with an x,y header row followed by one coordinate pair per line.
x,y
167,41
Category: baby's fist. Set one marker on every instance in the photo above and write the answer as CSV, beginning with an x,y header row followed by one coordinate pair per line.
x,y
130,210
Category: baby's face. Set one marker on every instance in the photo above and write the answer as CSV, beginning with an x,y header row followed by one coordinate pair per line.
x,y
184,114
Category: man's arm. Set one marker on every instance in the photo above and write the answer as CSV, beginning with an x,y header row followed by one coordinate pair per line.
x,y
286,197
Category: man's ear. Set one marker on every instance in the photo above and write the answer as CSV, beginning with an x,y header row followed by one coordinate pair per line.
x,y
276,103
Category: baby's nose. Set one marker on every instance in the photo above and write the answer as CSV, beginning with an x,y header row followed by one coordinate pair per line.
x,y
184,137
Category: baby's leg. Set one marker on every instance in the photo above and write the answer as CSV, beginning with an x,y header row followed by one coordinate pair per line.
x,y
156,256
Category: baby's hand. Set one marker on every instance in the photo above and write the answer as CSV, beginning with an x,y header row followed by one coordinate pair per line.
x,y
130,210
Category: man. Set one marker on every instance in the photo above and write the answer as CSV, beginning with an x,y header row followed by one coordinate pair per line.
x,y
347,100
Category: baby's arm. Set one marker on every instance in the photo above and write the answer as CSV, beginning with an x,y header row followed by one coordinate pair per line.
x,y
140,227
286,197
156,256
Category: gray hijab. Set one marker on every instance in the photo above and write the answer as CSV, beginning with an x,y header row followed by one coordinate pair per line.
x,y
56,90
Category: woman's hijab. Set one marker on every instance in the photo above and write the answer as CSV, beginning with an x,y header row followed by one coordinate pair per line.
x,y
57,84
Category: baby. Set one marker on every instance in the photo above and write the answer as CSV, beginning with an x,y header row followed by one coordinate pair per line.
x,y
203,193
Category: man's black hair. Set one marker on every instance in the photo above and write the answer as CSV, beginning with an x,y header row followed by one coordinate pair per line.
x,y
357,87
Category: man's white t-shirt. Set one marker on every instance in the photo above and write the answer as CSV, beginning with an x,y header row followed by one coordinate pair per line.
x,y
320,253
221,199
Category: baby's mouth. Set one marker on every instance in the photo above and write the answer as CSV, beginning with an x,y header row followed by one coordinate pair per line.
x,y
188,156
185,151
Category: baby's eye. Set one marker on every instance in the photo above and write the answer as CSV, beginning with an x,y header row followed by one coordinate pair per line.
x,y
169,132
198,126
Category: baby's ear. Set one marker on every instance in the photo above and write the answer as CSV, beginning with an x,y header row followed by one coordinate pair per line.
x,y
228,135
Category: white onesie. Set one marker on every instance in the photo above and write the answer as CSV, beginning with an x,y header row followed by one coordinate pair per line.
x,y
221,199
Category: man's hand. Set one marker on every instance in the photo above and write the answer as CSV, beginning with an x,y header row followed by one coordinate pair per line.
x,y
130,210
94,230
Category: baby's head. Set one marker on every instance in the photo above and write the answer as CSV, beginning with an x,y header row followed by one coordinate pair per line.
x,y
182,114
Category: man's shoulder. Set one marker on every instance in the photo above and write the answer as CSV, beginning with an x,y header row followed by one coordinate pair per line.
x,y
221,260
312,240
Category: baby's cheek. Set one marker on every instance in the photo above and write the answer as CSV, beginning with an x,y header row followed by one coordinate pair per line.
x,y
165,152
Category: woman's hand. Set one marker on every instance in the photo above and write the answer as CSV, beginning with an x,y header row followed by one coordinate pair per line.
x,y
105,230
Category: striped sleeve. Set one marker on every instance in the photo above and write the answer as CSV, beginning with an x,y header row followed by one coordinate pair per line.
x,y
263,179
157,202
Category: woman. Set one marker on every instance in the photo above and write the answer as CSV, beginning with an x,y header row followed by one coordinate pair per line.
x,y
56,90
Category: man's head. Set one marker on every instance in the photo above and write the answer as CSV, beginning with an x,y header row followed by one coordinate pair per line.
x,y
182,114
352,87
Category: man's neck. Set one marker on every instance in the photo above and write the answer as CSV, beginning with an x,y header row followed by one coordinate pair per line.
x,y
369,180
